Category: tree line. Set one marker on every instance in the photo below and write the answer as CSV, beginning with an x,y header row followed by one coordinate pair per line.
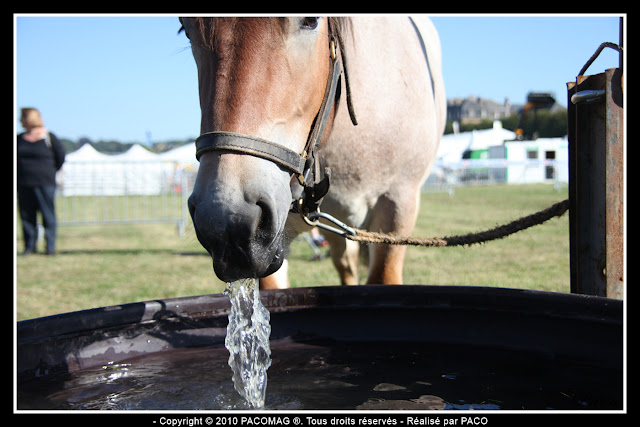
x,y
115,147
537,124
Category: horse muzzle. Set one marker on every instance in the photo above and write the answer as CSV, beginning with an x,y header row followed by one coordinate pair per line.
x,y
242,232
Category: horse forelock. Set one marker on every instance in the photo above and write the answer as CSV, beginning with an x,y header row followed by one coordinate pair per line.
x,y
214,31
341,25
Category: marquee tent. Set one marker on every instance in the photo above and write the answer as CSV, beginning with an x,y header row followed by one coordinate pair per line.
x,y
453,146
86,153
185,154
138,171
135,153
496,154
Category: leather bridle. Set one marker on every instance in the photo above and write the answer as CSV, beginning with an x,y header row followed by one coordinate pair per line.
x,y
305,166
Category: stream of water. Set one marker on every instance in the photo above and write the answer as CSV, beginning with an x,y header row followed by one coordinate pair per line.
x,y
248,341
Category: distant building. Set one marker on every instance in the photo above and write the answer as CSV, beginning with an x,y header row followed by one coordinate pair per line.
x,y
474,109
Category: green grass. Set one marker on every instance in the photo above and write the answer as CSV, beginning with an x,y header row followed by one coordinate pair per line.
x,y
107,265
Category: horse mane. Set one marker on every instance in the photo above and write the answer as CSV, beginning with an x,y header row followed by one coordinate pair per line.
x,y
340,25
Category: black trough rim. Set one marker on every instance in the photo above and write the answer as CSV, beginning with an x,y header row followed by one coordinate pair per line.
x,y
514,318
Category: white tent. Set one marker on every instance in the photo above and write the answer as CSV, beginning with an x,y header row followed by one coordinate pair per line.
x,y
78,175
88,172
86,153
449,158
453,146
186,166
485,138
135,153
185,154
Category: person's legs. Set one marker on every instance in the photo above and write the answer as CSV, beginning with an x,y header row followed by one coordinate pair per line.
x,y
28,206
46,199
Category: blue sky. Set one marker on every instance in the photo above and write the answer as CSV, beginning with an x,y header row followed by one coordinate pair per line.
x,y
129,77
498,57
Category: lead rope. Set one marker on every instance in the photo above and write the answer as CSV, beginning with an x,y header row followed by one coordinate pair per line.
x,y
364,236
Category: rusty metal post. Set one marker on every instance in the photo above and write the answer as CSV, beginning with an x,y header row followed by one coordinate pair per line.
x,y
596,179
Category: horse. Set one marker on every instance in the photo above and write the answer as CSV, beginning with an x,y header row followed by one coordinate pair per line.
x,y
301,113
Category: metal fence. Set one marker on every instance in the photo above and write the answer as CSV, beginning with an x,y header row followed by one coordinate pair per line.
x,y
446,176
154,191
124,192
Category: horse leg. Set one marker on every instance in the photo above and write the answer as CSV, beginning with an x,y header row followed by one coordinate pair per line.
x,y
277,280
390,216
344,254
386,264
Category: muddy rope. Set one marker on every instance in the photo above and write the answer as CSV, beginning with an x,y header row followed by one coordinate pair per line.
x,y
556,210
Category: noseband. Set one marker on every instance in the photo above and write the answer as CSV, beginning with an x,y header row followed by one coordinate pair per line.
x,y
314,181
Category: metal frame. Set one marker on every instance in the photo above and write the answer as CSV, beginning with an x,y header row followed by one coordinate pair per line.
x,y
596,184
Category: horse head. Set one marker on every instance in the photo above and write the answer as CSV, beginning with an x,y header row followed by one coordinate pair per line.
x,y
262,83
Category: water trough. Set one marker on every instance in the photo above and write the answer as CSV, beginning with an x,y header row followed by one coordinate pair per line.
x,y
363,347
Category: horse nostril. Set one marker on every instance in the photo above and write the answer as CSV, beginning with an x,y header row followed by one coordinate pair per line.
x,y
266,215
266,224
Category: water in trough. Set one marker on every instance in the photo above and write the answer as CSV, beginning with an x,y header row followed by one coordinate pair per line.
x,y
321,358
316,375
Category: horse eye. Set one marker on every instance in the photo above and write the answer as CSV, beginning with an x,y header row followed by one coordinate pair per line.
x,y
309,23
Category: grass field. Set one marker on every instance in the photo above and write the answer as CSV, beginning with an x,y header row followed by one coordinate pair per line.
x,y
107,265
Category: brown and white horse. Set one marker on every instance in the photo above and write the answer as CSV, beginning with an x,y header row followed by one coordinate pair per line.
x,y
263,83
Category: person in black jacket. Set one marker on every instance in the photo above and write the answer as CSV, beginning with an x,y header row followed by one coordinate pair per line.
x,y
39,156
